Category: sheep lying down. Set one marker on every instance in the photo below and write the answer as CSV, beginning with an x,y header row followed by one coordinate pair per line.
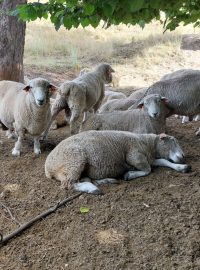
x,y
150,118
104,156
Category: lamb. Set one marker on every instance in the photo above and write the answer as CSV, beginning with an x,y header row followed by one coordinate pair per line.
x,y
149,120
84,93
183,93
26,108
107,155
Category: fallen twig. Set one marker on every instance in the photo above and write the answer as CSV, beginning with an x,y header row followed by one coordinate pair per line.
x,y
28,224
10,214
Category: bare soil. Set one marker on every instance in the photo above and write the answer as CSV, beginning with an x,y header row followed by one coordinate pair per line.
x,y
150,223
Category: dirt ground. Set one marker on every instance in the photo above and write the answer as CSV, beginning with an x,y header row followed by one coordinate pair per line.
x,y
150,223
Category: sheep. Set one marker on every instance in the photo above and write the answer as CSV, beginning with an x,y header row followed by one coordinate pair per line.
x,y
110,95
107,155
183,93
149,120
176,74
122,104
115,78
84,93
60,120
139,93
117,105
26,108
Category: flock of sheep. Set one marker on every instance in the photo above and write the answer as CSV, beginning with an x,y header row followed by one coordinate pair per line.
x,y
112,136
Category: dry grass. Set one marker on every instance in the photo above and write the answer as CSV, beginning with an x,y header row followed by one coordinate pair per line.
x,y
140,56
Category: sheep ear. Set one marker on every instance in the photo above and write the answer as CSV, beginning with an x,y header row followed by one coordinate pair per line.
x,y
52,88
110,70
165,100
140,105
162,136
27,88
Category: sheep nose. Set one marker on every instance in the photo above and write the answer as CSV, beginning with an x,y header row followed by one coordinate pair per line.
x,y
40,101
181,158
155,114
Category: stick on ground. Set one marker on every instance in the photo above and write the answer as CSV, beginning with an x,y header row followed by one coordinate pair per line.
x,y
30,223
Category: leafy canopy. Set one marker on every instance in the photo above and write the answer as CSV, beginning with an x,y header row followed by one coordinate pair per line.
x,y
72,13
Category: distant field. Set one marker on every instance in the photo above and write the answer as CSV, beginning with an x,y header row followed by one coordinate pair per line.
x,y
139,56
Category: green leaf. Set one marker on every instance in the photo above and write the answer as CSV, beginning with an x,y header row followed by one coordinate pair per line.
x,y
155,3
67,22
84,210
141,24
88,9
108,10
135,5
45,15
85,22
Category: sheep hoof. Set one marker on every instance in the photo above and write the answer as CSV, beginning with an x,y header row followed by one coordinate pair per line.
x,y
37,151
198,132
97,192
127,176
187,169
87,187
15,152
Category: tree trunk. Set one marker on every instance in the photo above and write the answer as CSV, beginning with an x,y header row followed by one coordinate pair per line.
x,y
12,39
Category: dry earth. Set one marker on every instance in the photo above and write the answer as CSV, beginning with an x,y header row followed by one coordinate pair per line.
x,y
150,223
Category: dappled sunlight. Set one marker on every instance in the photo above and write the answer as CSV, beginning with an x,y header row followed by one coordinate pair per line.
x,y
110,236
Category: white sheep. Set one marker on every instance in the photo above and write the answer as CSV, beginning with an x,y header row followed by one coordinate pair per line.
x,y
183,92
110,95
104,155
84,93
61,119
176,74
117,105
26,109
151,118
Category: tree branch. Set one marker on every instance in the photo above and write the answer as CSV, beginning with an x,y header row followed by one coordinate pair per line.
x,y
30,223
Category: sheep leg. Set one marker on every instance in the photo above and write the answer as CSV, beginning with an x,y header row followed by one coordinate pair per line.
x,y
58,106
107,181
76,124
138,161
130,175
177,167
10,134
197,118
18,145
87,187
37,150
98,104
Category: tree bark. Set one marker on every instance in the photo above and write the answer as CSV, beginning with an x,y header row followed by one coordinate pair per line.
x,y
12,40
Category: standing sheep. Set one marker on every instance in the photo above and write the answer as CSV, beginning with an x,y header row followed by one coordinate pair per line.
x,y
150,119
176,74
26,108
110,154
83,94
